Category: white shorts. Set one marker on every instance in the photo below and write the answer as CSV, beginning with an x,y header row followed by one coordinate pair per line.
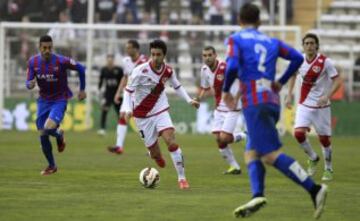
x,y
225,121
320,118
151,128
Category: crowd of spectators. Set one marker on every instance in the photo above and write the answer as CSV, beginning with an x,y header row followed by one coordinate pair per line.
x,y
125,11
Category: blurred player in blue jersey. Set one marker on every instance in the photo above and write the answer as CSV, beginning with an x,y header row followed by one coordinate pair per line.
x,y
49,71
252,58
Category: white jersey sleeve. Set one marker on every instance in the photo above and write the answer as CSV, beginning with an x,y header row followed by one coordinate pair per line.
x,y
128,65
330,68
204,78
133,81
178,88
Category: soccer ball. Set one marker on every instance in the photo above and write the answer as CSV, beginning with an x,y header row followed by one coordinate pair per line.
x,y
149,177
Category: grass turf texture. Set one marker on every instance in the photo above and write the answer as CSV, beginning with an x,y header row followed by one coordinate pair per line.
x,y
92,184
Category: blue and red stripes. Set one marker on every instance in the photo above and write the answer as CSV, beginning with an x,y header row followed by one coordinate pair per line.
x,y
251,95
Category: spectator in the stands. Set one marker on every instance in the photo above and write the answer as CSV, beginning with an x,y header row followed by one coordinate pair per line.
x,y
51,10
78,11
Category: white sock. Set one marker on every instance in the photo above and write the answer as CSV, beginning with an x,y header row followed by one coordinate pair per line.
x,y
327,152
239,136
178,161
309,150
228,155
121,131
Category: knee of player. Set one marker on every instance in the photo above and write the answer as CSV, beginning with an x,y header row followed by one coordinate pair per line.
x,y
325,140
42,132
225,138
168,136
300,135
173,147
270,158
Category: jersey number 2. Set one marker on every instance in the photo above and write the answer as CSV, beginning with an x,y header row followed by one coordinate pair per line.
x,y
260,49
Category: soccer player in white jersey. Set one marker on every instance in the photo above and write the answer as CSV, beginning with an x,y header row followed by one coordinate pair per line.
x,y
319,81
133,59
146,101
212,76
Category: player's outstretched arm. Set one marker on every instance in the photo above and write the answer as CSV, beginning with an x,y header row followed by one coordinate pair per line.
x,y
30,77
295,58
229,100
126,110
30,84
81,95
180,91
120,89
290,97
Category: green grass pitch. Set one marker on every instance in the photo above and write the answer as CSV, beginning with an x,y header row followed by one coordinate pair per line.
x,y
92,184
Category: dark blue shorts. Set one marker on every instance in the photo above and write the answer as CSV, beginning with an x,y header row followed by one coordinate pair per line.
x,y
261,122
55,110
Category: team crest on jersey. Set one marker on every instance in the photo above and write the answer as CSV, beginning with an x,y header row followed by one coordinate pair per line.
x,y
316,69
145,71
220,77
36,69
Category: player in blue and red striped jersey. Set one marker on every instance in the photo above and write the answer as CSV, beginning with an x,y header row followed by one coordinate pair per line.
x,y
252,58
49,71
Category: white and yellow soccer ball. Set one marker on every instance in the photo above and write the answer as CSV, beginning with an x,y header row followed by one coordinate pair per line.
x,y
149,177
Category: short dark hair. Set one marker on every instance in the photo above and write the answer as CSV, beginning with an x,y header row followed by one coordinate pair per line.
x,y
160,44
134,43
249,14
209,47
313,36
45,38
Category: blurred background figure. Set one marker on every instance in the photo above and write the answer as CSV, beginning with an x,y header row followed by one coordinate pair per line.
x,y
110,76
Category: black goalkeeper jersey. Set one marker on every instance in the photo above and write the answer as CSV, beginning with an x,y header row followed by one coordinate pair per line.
x,y
111,78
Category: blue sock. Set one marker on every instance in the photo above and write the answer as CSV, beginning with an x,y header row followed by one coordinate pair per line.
x,y
53,132
292,169
256,172
47,149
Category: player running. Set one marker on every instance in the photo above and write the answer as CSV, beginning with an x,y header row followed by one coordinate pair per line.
x,y
319,81
49,72
133,59
212,76
252,58
146,101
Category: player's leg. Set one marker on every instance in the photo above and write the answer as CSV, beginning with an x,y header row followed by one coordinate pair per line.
x,y
292,169
256,171
224,150
121,131
227,153
303,120
43,110
56,115
322,126
166,130
149,134
227,136
269,148
104,112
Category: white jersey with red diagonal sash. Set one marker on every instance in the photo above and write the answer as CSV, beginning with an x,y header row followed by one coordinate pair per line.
x,y
215,79
129,64
147,87
316,79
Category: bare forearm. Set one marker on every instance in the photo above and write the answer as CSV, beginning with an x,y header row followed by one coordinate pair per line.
x,y
291,85
122,85
335,86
